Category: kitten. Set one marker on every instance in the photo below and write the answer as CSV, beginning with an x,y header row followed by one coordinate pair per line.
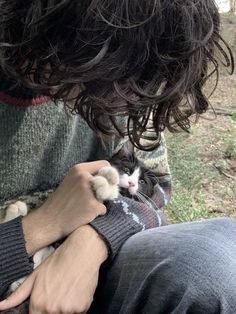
x,y
105,186
127,176
135,179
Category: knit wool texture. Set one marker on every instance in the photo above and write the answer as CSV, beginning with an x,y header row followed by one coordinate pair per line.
x,y
40,140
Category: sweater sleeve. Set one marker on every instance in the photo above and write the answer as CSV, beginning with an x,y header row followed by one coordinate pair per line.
x,y
14,260
125,217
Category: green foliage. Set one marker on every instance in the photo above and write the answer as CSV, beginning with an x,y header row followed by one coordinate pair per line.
x,y
233,117
201,161
188,175
230,151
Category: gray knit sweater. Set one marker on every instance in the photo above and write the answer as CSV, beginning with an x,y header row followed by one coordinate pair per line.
x,y
39,142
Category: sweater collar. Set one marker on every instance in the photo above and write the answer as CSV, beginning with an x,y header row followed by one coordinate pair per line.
x,y
13,93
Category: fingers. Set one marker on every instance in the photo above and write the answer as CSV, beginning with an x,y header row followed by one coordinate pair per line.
x,y
20,295
101,209
91,167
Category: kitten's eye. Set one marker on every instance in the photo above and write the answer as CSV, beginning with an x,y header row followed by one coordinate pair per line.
x,y
141,181
126,170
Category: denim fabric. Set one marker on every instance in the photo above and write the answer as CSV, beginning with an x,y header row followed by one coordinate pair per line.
x,y
184,268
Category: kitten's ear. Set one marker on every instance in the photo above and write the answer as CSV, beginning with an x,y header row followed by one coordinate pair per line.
x,y
126,150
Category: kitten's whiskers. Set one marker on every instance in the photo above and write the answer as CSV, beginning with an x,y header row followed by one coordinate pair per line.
x,y
148,199
142,198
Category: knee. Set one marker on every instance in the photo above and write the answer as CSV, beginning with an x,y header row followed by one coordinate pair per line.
x,y
198,271
202,281
196,238
222,223
190,264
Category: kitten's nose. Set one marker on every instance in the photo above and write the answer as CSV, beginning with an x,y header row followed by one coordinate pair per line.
x,y
131,184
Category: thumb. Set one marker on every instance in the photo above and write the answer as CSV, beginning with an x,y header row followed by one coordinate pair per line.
x,y
20,295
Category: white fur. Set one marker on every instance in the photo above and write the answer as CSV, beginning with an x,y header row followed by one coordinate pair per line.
x,y
14,210
20,209
133,178
16,284
38,258
42,254
105,184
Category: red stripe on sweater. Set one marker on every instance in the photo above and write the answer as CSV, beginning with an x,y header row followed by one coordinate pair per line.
x,y
20,102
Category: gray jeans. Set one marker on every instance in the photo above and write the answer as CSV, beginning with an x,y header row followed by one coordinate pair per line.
x,y
185,268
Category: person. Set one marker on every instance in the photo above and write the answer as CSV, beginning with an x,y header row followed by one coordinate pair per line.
x,y
128,69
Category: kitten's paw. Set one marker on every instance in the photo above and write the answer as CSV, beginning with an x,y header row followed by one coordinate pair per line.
x,y
15,210
42,254
11,212
114,192
16,284
111,174
105,184
100,187
22,208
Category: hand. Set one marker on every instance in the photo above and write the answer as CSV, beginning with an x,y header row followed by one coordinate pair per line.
x,y
66,281
72,205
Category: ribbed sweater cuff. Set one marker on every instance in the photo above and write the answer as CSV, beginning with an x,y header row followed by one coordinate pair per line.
x,y
15,262
115,228
124,218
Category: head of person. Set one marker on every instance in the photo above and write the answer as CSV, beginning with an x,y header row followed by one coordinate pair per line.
x,y
146,60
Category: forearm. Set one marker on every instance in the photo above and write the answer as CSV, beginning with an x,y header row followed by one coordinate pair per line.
x,y
14,251
39,230
96,247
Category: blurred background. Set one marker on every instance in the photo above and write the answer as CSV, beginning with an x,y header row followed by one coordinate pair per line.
x,y
226,5
203,163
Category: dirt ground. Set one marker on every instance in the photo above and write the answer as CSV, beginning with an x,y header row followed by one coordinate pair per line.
x,y
221,149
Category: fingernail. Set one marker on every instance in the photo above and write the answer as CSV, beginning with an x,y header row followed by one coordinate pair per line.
x,y
3,301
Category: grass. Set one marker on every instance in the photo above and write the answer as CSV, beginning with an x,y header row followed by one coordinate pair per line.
x,y
203,163
189,174
200,190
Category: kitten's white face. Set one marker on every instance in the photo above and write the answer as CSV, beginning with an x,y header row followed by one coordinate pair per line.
x,y
130,181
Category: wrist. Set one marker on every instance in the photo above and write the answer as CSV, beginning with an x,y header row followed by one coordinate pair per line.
x,y
93,241
39,230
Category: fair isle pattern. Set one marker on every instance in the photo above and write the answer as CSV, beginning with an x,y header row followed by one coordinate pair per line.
x,y
126,208
148,213
162,194
144,216
157,159
153,214
39,144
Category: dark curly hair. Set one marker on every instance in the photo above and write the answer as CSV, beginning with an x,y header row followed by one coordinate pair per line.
x,y
146,60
